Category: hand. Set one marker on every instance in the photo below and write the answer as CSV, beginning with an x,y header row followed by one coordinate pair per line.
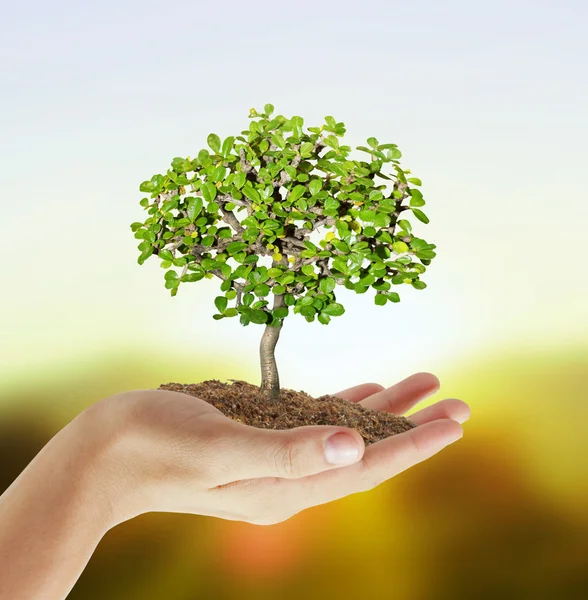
x,y
171,452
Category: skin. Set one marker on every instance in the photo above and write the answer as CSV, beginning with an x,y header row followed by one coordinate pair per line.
x,y
153,451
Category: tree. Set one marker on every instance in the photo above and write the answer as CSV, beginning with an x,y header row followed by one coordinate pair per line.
x,y
252,212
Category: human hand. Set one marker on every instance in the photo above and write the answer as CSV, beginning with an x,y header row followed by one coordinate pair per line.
x,y
170,452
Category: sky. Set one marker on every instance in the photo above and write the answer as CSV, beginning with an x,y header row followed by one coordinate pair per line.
x,y
486,100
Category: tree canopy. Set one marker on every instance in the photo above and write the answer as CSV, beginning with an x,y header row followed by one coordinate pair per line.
x,y
283,211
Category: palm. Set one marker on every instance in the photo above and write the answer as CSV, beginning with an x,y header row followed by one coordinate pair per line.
x,y
381,461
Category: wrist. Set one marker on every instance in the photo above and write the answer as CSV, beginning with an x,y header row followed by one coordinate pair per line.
x,y
100,468
56,512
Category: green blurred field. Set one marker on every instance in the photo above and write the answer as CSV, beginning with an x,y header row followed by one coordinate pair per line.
x,y
501,514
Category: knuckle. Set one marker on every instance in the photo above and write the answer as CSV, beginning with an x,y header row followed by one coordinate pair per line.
x,y
287,459
370,478
416,448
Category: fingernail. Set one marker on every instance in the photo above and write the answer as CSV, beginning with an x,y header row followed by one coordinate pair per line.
x,y
341,449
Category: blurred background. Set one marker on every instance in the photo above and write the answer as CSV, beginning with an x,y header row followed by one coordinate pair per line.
x,y
487,102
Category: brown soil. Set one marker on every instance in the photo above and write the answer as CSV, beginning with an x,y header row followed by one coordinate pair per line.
x,y
241,401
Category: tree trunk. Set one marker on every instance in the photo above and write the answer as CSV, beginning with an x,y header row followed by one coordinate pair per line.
x,y
270,381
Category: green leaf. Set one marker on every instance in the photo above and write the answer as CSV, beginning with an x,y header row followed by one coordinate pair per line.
x,y
214,142
382,287
393,297
367,215
373,142
208,264
297,192
204,157
405,225
258,316
209,191
308,311
239,180
315,186
419,285
341,246
231,312
262,290
248,299
147,186
341,265
181,165
218,174
228,146
306,149
381,220
278,140
255,277
145,254
324,319
334,310
290,170
289,300
194,208
268,109
422,254
416,198
332,141
287,278
420,215
281,313
400,247
251,193
414,181
234,247
221,303
305,301
338,169
327,285
380,299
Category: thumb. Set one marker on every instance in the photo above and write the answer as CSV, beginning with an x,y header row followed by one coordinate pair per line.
x,y
300,452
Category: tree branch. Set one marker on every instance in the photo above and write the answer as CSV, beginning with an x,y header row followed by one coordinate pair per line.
x,y
230,218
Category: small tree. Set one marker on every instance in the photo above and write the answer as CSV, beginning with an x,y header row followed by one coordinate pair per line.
x,y
253,211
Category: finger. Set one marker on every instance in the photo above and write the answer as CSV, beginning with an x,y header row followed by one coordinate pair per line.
x,y
381,461
253,453
404,395
359,392
453,409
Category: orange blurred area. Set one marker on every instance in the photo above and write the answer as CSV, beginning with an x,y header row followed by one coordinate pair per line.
x,y
503,513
